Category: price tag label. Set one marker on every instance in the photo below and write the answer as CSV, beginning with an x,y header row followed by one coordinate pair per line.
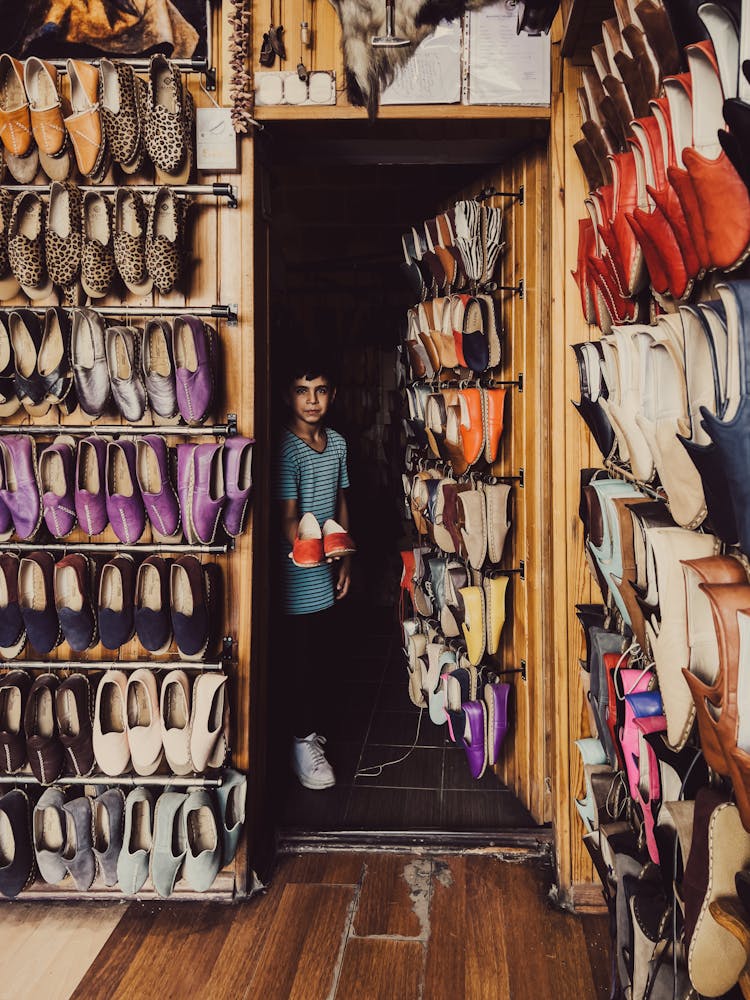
x,y
216,140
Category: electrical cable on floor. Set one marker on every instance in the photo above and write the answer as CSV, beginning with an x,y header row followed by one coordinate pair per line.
x,y
377,769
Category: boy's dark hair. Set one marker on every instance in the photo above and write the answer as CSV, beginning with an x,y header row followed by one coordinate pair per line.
x,y
310,364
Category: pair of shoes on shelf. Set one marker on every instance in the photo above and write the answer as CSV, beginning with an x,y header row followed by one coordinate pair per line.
x,y
114,838
135,725
86,240
455,250
315,544
171,367
113,115
181,835
36,372
480,726
46,723
161,600
122,482
456,333
214,482
461,518
44,602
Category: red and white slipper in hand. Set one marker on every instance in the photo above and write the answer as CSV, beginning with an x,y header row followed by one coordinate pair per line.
x,y
308,545
337,542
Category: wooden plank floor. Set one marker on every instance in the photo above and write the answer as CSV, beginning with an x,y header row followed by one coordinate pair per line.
x,y
335,926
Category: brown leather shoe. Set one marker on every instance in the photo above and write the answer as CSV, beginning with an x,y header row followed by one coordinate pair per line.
x,y
73,710
85,124
14,694
40,81
21,153
43,746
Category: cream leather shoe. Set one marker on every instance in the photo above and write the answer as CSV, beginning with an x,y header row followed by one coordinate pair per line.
x,y
207,744
175,721
111,747
143,722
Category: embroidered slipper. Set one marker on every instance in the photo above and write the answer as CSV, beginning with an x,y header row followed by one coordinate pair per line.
x,y
336,541
308,545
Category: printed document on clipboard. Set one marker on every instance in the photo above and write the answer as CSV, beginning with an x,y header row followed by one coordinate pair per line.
x,y
504,67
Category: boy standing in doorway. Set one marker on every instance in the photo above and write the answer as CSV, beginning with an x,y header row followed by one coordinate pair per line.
x,y
311,478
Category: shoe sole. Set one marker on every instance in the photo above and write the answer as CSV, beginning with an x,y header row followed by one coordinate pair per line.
x,y
315,785
340,553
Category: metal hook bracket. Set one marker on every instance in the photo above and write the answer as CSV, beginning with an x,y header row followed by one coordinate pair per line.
x,y
516,289
513,670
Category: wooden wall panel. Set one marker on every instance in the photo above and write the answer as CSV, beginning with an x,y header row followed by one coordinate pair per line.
x,y
526,443
571,579
219,271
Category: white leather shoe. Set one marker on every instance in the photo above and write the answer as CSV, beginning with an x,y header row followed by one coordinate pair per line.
x,y
111,748
175,721
207,744
143,722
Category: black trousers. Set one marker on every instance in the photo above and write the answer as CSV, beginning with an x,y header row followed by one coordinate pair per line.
x,y
312,652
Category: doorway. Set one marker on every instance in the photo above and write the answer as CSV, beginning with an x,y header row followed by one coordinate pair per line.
x,y
337,198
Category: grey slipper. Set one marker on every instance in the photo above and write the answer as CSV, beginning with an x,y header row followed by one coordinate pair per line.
x,y
137,841
78,853
108,815
170,842
231,796
49,836
204,846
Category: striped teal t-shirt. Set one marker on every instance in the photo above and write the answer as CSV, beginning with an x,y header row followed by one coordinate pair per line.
x,y
313,479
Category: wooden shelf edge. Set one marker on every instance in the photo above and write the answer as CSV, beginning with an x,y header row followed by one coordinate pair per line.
x,y
223,890
289,112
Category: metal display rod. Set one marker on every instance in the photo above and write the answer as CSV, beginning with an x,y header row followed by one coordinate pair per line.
x,y
161,780
228,429
126,665
227,191
228,313
170,547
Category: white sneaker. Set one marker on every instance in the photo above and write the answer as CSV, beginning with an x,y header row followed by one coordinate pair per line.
x,y
309,762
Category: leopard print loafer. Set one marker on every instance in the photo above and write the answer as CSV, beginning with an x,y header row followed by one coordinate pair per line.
x,y
63,239
98,260
130,241
169,122
26,245
165,238
9,286
123,100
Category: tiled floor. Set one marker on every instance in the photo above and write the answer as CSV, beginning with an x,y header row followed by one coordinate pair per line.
x,y
375,722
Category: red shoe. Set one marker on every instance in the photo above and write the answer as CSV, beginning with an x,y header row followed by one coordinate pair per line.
x,y
586,248
308,545
616,233
493,401
715,182
678,117
336,541
472,426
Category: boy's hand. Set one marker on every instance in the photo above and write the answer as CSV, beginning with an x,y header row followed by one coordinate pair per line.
x,y
344,578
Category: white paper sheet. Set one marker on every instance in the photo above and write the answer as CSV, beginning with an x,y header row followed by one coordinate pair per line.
x,y
433,74
504,67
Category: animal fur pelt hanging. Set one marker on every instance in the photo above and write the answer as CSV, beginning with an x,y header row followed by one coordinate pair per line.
x,y
50,28
368,70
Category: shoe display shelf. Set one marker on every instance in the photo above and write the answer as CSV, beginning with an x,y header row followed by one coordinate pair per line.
x,y
663,519
433,449
217,271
